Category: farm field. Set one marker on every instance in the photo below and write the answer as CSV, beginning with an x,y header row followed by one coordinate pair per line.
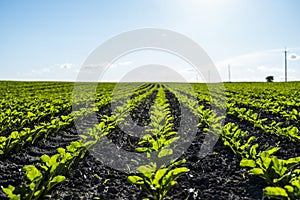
x,y
50,136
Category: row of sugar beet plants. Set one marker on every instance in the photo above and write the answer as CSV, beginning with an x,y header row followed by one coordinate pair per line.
x,y
277,107
18,139
281,176
269,106
157,177
27,114
290,132
25,111
277,100
40,179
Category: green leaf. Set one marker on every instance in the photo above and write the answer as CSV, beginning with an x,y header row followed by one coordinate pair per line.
x,y
53,160
180,170
58,179
173,174
265,160
165,152
296,171
32,173
256,171
252,138
14,135
275,192
294,111
30,114
170,141
44,167
29,139
294,131
147,170
142,149
45,158
170,133
247,163
2,139
158,176
272,150
289,188
179,162
32,186
37,193
136,180
101,125
253,151
296,183
9,192
61,150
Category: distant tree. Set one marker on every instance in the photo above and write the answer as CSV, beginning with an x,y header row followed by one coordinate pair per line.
x,y
270,78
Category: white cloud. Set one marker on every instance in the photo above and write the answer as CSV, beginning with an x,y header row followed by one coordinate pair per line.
x,y
119,64
263,68
34,73
250,70
250,59
97,67
113,65
294,56
66,66
125,63
40,71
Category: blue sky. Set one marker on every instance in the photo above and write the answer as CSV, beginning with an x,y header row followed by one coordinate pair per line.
x,y
50,40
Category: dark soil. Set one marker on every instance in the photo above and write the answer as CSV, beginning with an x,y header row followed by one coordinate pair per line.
x,y
216,176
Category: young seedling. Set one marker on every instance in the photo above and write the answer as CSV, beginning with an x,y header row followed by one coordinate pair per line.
x,y
157,182
41,181
267,166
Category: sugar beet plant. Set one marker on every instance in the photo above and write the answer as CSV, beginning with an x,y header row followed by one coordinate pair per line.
x,y
41,179
280,174
158,181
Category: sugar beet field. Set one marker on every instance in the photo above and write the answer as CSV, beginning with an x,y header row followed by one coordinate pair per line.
x,y
149,141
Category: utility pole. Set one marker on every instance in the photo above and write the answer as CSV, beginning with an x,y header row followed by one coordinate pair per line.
x,y
229,73
285,64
